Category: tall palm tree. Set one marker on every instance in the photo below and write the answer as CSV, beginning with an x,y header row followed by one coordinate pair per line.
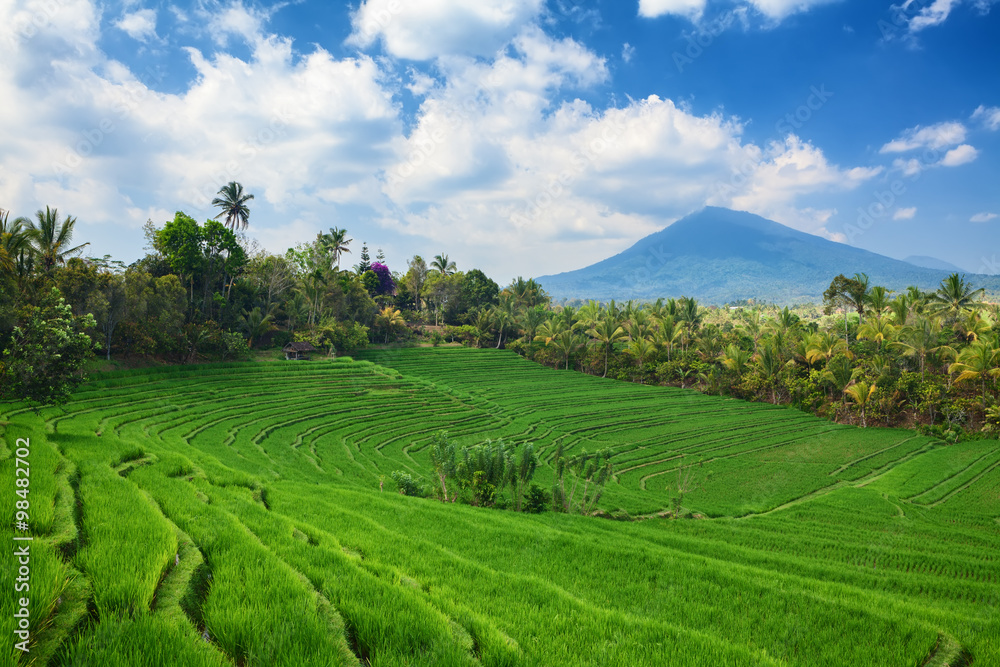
x,y
920,340
567,343
770,363
606,332
735,359
336,243
860,394
668,335
977,362
50,239
953,297
878,299
443,265
232,202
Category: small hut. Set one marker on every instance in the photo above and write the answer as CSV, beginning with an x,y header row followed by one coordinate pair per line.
x,y
297,351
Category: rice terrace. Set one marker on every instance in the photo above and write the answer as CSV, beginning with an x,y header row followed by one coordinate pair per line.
x,y
241,514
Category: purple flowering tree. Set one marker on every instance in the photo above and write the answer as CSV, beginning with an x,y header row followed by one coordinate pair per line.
x,y
385,283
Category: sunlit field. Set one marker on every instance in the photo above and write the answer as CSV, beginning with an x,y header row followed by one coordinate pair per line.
x,y
245,514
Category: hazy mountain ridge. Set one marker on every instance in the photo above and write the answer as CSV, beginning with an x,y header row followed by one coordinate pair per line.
x,y
718,255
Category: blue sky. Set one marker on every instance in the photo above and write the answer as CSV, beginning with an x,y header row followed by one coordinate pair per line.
x,y
522,137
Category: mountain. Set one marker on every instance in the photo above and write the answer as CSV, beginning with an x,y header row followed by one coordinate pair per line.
x,y
718,256
933,263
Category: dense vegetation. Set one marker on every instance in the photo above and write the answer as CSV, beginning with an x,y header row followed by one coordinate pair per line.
x,y
232,514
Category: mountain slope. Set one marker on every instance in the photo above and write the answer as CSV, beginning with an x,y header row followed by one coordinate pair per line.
x,y
933,263
717,255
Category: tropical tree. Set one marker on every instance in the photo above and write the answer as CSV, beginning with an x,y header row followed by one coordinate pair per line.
x,y
443,265
878,329
50,239
770,364
735,359
568,343
335,243
443,460
978,361
606,332
232,203
255,324
860,394
388,319
525,464
954,297
14,240
920,340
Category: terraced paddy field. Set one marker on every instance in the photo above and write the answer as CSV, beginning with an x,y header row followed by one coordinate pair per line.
x,y
232,515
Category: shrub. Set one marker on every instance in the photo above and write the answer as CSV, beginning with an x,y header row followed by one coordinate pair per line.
x,y
535,501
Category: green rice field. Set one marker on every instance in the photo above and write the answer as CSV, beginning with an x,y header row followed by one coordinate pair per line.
x,y
232,514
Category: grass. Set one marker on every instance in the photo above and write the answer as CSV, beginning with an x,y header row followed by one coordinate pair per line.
x,y
231,514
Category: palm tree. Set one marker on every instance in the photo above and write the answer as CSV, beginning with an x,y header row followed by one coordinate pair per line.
x,y
668,335
823,345
50,239
977,362
13,241
389,318
442,265
641,349
336,243
770,363
255,323
860,394
606,332
953,297
735,359
878,329
233,204
899,308
567,343
878,299
920,340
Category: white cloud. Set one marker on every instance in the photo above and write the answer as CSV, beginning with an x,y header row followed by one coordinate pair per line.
x,y
910,167
990,116
628,52
936,136
689,8
426,29
934,14
983,217
779,9
963,154
140,25
904,213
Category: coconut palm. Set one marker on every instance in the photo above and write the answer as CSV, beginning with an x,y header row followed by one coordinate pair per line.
x,y
899,308
920,340
568,343
668,335
770,363
606,332
735,359
978,361
860,394
878,300
953,297
389,319
878,329
233,204
13,241
336,243
824,345
641,349
255,324
443,265
50,239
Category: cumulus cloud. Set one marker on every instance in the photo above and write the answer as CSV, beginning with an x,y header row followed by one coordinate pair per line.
x,y
654,8
139,25
960,155
905,213
499,155
983,217
988,116
936,136
426,29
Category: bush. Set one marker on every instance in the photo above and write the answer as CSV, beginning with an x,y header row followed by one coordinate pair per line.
x,y
280,339
535,500
406,484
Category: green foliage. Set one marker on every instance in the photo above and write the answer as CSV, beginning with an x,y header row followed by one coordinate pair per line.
x,y
405,483
44,357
